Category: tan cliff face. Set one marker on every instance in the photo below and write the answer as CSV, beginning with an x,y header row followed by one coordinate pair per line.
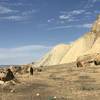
x,y
96,31
55,56
78,48
87,44
96,27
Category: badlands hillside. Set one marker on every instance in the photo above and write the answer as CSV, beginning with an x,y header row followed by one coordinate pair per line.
x,y
66,53
58,81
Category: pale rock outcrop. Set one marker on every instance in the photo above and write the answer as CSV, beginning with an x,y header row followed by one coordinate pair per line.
x,y
78,48
55,56
96,27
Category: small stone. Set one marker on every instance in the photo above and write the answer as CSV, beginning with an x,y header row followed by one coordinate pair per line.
x,y
37,94
13,90
55,97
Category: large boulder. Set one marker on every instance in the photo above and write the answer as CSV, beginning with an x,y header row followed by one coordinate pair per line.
x,y
2,76
85,60
97,59
89,59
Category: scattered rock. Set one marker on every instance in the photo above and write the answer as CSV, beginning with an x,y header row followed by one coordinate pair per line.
x,y
37,94
12,91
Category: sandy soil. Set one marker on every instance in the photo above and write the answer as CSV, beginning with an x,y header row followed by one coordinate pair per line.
x,y
62,82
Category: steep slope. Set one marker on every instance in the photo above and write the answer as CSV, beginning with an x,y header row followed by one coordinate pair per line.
x,y
87,44
55,56
95,30
95,48
79,47
96,27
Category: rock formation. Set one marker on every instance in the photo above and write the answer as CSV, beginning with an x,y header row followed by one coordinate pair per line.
x,y
87,44
55,56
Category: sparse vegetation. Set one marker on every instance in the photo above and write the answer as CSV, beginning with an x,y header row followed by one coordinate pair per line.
x,y
65,82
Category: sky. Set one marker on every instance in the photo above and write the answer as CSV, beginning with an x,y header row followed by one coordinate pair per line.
x,y
30,28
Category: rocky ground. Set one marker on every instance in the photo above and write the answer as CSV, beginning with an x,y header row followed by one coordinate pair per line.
x,y
62,82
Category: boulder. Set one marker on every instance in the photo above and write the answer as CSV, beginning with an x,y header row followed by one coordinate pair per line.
x,y
87,60
97,59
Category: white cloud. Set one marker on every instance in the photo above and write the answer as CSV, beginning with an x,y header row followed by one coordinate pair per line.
x,y
22,55
64,17
18,17
87,25
97,12
59,27
15,18
8,12
67,18
14,4
71,15
77,12
95,1
91,3
73,12
5,10
83,26
29,12
88,13
50,20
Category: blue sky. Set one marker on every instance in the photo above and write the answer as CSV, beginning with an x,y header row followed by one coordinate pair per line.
x,y
30,28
